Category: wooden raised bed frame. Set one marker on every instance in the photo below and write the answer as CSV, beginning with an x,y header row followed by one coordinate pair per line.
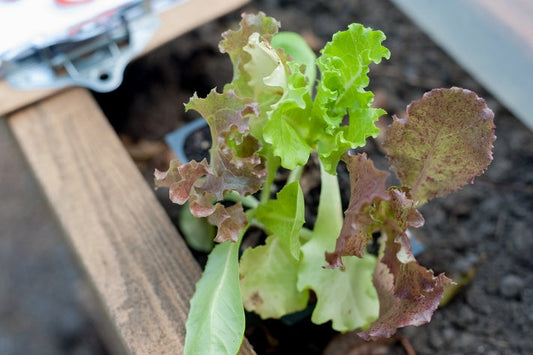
x,y
141,270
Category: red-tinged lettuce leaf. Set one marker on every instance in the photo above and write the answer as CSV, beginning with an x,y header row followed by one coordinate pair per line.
x,y
234,165
234,161
180,178
237,45
229,220
344,64
398,213
186,182
408,293
234,41
368,187
224,112
443,143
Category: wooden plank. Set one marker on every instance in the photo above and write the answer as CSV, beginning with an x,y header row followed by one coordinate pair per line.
x,y
12,99
140,266
491,39
37,279
174,22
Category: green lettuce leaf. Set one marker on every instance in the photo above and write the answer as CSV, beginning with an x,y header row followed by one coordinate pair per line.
x,y
266,69
345,296
288,126
344,64
285,216
198,233
279,87
216,319
443,143
268,275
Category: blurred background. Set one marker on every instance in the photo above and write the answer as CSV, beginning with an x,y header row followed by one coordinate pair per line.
x,y
485,230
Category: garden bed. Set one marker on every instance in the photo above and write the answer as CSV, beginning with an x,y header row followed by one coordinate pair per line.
x,y
483,230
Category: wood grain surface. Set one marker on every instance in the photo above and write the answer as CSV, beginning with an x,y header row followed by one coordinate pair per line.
x,y
141,269
174,22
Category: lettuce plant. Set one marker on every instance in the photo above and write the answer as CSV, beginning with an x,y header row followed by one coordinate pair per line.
x,y
275,114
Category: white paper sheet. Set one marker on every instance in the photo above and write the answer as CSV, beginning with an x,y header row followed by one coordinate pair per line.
x,y
37,22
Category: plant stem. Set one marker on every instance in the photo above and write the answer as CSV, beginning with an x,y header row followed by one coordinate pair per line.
x,y
247,201
329,219
306,234
295,174
272,164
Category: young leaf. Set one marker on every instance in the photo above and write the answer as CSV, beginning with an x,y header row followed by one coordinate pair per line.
x,y
216,319
367,186
289,124
234,44
268,276
195,182
398,213
344,66
279,87
294,45
285,216
443,143
344,296
266,69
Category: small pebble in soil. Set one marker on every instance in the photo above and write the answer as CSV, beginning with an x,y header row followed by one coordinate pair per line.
x,y
465,318
465,340
511,286
464,264
520,243
439,337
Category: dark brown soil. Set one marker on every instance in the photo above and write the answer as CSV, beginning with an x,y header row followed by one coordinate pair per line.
x,y
487,225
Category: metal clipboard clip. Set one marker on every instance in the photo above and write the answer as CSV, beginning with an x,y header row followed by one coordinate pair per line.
x,y
94,54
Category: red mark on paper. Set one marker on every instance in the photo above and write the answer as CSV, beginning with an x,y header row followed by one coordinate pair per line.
x,y
71,2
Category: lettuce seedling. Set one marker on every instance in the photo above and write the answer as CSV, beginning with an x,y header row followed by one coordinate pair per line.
x,y
274,114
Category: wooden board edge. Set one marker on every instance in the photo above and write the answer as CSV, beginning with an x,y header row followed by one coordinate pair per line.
x,y
139,265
